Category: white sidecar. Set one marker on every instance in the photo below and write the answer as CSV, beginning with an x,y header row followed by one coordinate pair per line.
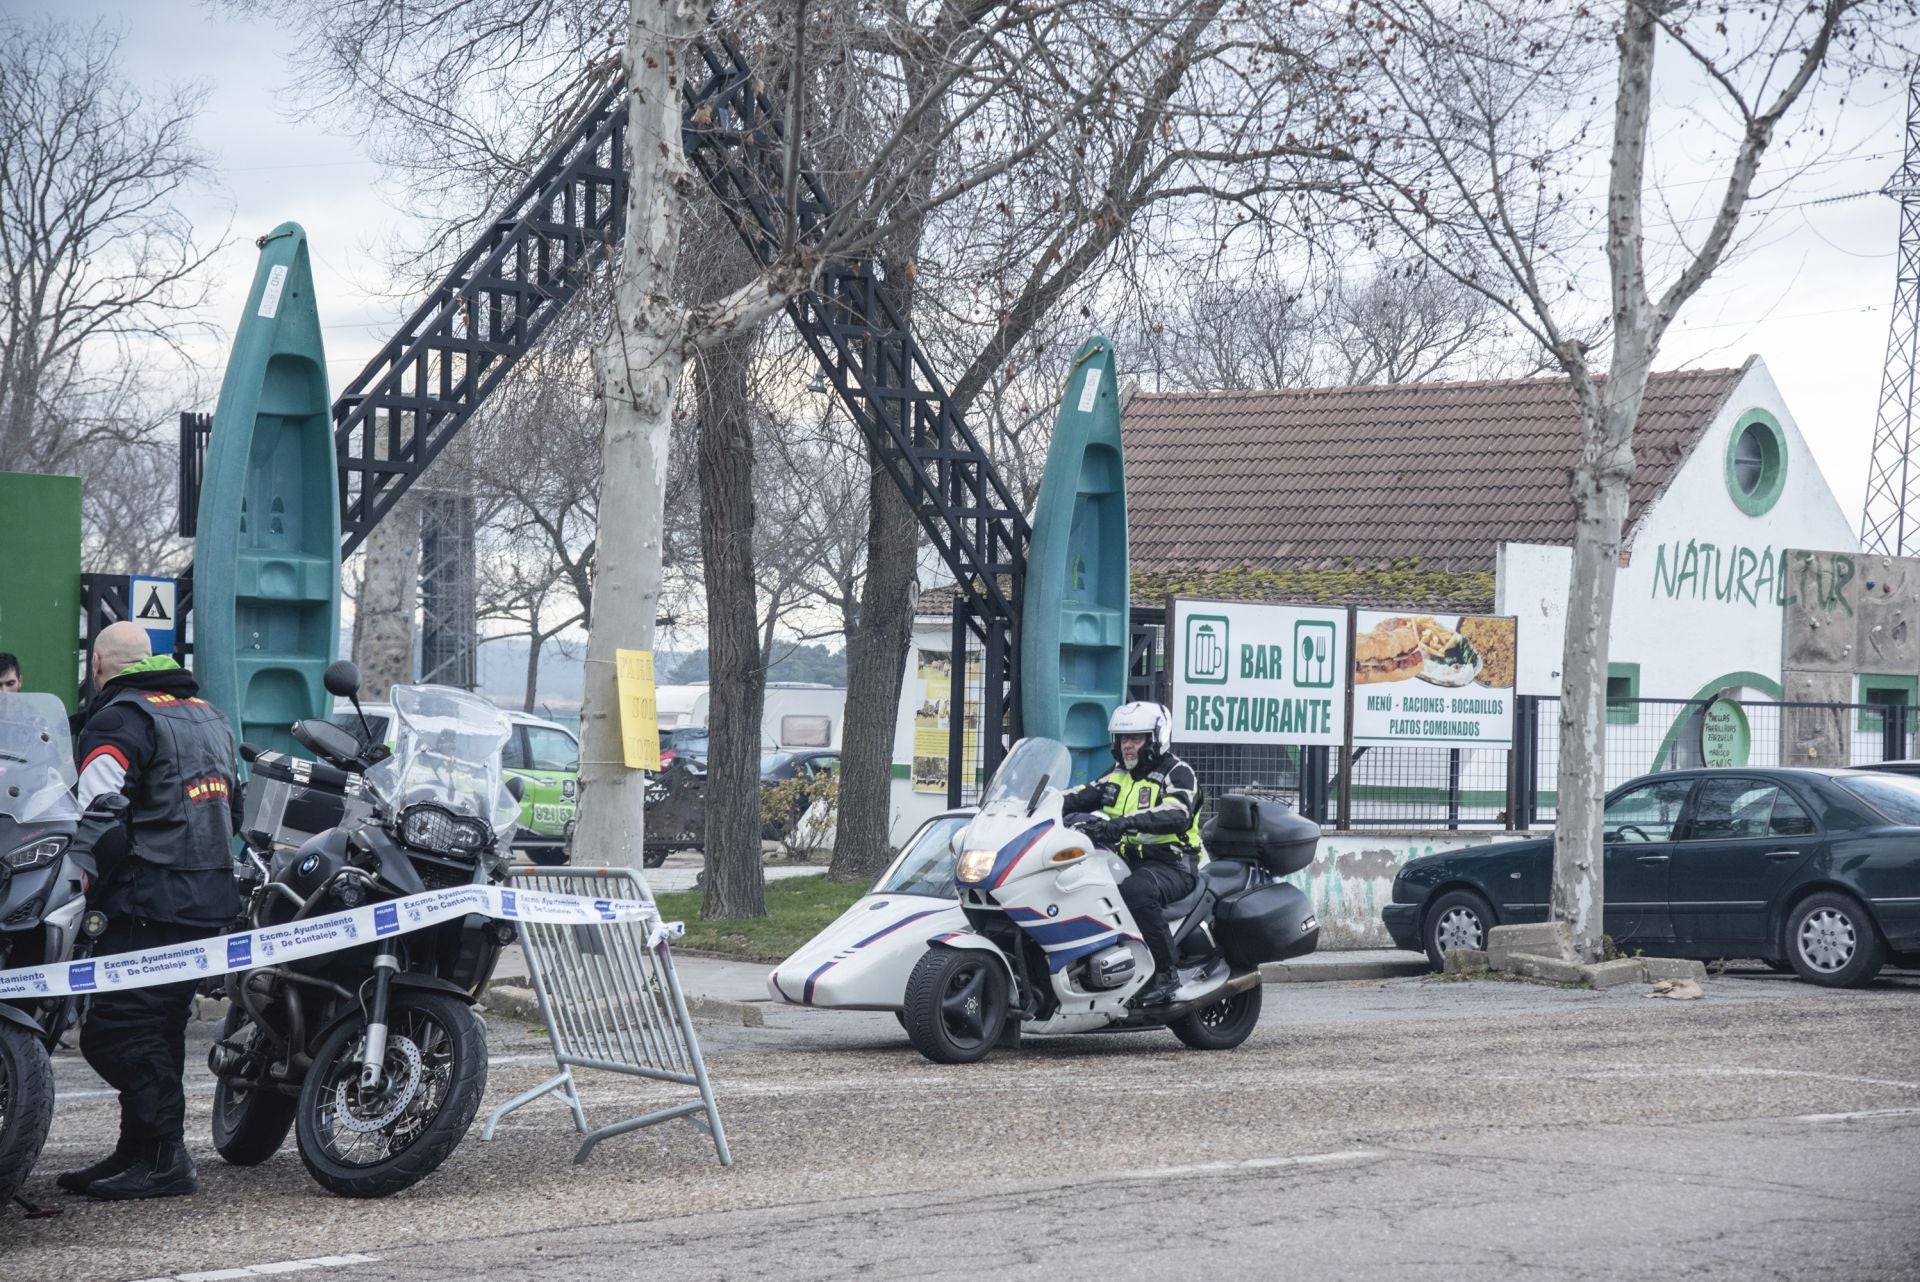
x,y
861,961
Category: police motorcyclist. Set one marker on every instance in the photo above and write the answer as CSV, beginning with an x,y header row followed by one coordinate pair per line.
x,y
1149,808
149,735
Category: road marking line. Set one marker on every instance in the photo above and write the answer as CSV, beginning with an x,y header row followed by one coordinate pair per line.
x,y
1249,1164
268,1270
1848,1117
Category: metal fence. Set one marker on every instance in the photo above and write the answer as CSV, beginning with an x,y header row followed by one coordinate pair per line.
x,y
611,1002
1418,787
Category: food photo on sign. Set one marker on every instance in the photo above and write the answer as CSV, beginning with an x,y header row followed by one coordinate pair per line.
x,y
1424,678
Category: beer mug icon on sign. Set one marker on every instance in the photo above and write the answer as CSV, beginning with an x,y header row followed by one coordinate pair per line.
x,y
1205,652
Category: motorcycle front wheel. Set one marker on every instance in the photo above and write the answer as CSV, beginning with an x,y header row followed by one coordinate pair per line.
x,y
26,1106
956,1004
361,1142
249,1122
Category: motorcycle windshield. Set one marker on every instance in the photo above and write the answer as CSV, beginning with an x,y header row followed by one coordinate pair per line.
x,y
446,750
36,759
1031,769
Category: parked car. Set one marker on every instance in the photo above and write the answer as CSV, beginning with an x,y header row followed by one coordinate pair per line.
x,y
689,741
543,754
777,768
1817,871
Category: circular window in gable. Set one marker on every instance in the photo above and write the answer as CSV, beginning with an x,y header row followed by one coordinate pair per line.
x,y
1756,462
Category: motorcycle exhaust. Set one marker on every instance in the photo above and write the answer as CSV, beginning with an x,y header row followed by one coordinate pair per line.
x,y
1159,1015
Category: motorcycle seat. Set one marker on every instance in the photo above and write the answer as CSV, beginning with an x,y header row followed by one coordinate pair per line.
x,y
1225,876
1178,910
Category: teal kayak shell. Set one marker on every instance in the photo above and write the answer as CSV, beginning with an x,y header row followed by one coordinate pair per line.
x,y
1074,625
266,578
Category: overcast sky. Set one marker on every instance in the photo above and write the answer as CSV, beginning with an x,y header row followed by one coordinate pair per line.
x,y
1811,297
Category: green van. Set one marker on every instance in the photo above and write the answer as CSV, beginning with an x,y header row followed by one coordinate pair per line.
x,y
544,754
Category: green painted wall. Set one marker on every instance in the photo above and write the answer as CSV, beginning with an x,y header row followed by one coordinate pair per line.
x,y
40,589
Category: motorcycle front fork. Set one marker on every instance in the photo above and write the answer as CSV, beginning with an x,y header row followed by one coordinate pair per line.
x,y
372,1061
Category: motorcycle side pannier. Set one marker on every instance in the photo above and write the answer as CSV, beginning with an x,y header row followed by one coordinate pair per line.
x,y
1266,924
1260,832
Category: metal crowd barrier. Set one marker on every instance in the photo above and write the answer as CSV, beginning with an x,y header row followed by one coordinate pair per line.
x,y
610,1003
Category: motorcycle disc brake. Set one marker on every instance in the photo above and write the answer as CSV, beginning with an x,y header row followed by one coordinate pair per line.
x,y
395,1095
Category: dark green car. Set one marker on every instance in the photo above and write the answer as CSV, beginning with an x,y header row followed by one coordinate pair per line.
x,y
1817,871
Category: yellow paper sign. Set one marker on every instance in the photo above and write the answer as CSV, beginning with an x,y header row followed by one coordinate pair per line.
x,y
639,714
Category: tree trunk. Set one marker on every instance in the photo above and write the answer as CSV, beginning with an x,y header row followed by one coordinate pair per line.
x,y
535,639
736,881
1600,508
1608,413
637,371
389,591
876,665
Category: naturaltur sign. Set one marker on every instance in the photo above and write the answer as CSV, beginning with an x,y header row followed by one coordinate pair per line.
x,y
1267,674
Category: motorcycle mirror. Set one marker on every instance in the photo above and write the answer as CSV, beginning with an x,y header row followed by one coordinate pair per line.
x,y
342,679
517,786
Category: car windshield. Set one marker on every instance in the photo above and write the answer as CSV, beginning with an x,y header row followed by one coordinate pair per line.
x,y
36,759
773,761
1895,797
925,866
446,750
1033,766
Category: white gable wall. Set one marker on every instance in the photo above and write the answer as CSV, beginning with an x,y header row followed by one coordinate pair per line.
x,y
1698,604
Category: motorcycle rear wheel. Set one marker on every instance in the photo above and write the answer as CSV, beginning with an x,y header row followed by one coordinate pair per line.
x,y
26,1106
375,1143
250,1122
1223,1025
956,1004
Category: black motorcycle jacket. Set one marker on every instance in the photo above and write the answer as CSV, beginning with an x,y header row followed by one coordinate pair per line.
x,y
149,736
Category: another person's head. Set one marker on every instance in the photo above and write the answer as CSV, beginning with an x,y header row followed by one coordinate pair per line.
x,y
118,647
9,673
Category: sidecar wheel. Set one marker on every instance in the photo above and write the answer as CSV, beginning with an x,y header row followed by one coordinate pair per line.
x,y
956,1005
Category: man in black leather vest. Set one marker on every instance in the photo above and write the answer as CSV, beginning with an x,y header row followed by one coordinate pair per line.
x,y
149,736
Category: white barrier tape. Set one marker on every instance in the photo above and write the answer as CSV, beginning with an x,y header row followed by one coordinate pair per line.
x,y
312,936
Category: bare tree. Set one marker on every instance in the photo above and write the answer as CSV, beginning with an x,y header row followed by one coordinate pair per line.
x,y
100,273
1485,120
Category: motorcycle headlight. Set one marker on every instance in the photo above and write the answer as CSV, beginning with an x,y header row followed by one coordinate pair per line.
x,y
434,829
974,865
37,855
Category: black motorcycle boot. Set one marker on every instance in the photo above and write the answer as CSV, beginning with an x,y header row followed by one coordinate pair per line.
x,y
166,1170
1158,992
107,1167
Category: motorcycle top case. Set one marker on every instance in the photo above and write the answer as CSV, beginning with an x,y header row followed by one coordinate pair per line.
x,y
290,799
1266,924
1260,832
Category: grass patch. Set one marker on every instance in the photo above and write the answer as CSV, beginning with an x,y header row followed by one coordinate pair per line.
x,y
798,908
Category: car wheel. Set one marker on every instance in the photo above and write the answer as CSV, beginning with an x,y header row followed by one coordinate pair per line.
x,y
1832,942
1458,919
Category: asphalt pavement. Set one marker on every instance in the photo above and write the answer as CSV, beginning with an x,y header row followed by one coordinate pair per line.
x,y
1378,1129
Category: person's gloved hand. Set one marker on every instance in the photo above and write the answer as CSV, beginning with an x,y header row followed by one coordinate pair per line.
x,y
1099,830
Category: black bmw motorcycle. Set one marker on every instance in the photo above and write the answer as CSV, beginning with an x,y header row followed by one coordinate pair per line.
x,y
371,1053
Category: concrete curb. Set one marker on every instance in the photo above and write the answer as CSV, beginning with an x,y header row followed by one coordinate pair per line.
x,y
1332,972
722,1010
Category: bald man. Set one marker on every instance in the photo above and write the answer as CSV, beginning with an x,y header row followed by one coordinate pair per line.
x,y
149,736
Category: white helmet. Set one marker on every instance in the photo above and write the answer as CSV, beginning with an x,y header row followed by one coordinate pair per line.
x,y
1149,719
